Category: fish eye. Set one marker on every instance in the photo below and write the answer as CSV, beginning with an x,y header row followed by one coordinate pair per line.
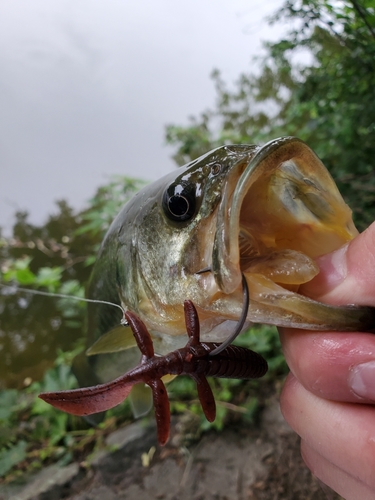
x,y
215,169
179,202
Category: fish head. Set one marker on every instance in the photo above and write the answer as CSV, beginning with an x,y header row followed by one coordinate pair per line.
x,y
263,213
167,234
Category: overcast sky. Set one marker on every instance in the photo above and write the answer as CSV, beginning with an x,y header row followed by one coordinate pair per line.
x,y
87,86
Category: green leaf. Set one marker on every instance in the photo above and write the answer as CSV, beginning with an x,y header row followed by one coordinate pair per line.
x,y
49,277
24,277
18,270
8,403
12,456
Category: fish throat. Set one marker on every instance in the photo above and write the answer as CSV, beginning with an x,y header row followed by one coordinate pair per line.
x,y
283,212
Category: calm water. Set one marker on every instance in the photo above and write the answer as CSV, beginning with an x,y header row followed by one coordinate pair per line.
x,y
33,328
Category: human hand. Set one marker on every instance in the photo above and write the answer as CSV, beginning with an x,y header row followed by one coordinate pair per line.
x,y
329,395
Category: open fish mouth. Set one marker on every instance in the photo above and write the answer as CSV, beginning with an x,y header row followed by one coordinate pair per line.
x,y
276,217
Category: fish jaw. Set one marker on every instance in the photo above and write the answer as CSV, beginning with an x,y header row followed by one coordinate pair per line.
x,y
285,199
284,211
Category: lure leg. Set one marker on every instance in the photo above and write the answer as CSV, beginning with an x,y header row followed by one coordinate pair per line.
x,y
205,394
206,397
192,323
141,335
159,392
162,410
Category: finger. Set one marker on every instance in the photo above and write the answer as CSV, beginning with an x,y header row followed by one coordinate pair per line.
x,y
338,366
344,432
332,365
341,482
347,275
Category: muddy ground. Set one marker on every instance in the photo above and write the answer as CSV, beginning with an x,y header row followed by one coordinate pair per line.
x,y
241,463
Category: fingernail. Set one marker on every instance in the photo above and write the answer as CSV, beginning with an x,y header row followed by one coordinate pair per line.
x,y
333,271
334,267
362,380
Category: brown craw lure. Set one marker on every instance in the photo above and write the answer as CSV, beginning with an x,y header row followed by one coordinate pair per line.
x,y
193,360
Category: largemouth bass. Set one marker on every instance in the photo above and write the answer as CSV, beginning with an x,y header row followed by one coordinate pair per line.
x,y
262,212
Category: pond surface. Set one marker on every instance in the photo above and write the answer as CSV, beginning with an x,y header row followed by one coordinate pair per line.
x,y
32,330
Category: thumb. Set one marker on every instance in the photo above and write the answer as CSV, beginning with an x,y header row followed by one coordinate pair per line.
x,y
347,275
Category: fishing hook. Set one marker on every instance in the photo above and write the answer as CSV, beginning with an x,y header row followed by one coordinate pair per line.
x,y
241,321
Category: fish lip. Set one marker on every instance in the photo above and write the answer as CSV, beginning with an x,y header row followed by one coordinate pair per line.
x,y
226,250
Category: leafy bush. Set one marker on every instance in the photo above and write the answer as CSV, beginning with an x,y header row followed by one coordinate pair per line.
x,y
316,83
34,433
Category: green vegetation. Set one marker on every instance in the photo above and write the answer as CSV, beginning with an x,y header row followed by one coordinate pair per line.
x,y
327,100
317,84
33,433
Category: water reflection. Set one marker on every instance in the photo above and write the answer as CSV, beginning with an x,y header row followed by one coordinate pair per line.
x,y
31,332
33,328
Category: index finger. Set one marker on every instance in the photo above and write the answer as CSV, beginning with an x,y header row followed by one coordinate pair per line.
x,y
332,365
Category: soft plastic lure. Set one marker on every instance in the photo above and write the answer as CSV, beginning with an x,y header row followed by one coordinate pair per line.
x,y
193,360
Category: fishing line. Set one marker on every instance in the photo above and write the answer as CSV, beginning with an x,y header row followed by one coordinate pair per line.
x,y
65,296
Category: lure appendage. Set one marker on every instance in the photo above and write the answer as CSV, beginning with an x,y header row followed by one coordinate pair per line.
x,y
193,360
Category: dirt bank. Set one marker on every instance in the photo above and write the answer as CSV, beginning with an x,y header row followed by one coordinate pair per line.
x,y
240,463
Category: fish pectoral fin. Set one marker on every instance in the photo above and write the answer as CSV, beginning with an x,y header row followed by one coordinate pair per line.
x,y
168,378
117,339
83,371
140,399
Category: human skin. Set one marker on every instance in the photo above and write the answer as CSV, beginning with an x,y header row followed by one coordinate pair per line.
x,y
329,396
